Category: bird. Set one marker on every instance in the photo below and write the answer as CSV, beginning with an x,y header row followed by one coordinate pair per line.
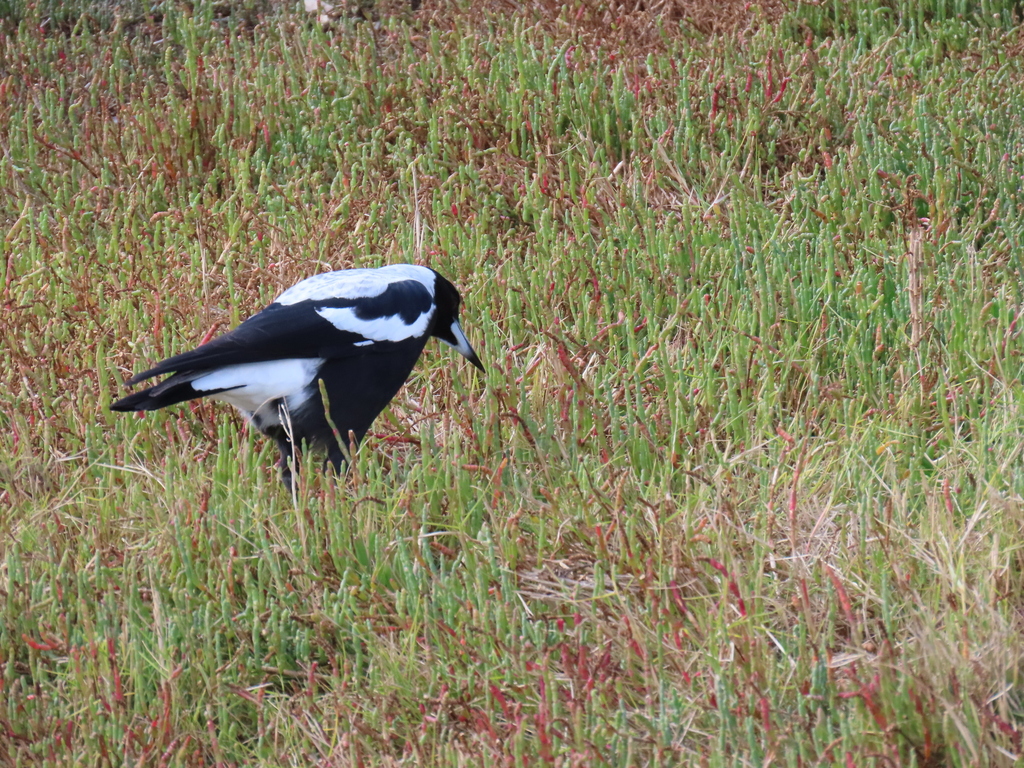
x,y
358,332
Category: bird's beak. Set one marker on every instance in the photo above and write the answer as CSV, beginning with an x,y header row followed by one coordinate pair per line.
x,y
462,346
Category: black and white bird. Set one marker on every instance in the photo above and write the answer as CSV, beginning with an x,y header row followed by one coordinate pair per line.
x,y
359,331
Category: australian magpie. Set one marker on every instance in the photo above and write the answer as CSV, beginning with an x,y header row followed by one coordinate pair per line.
x,y
359,331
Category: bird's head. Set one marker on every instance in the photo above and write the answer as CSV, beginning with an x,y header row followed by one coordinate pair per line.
x,y
446,320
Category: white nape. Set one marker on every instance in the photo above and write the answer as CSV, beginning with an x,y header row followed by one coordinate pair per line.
x,y
356,283
251,385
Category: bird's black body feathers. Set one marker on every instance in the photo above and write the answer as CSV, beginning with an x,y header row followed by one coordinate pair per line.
x,y
296,330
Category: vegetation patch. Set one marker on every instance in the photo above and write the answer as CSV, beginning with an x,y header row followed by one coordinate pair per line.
x,y
742,483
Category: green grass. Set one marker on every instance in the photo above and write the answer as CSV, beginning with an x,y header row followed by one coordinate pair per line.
x,y
742,485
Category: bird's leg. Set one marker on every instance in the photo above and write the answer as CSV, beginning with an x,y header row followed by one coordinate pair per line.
x,y
338,456
284,445
335,457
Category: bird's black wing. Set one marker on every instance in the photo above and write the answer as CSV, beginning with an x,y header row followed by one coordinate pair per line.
x,y
398,317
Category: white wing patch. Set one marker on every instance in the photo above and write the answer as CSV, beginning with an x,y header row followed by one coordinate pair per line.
x,y
387,328
356,283
253,384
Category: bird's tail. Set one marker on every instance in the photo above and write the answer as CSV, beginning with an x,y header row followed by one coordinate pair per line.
x,y
176,389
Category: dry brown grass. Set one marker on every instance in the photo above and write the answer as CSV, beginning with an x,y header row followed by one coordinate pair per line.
x,y
635,29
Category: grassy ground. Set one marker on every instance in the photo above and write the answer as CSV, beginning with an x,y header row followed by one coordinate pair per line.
x,y
742,484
